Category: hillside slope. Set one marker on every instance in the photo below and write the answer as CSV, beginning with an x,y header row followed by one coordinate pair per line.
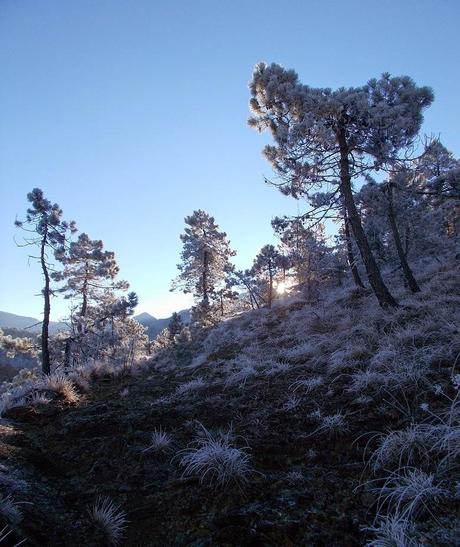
x,y
299,392
28,324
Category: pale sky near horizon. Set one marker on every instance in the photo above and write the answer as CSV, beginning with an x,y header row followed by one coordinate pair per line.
x,y
132,113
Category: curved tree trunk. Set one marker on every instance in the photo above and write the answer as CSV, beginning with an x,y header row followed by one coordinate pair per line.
x,y
373,273
413,285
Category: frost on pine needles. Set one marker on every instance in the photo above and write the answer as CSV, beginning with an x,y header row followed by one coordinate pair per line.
x,y
214,460
110,519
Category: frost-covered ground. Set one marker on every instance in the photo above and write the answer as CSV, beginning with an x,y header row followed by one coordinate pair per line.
x,y
336,424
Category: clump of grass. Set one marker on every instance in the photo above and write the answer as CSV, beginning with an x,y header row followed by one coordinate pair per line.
x,y
292,403
405,446
10,479
409,491
367,379
9,401
294,477
307,384
160,441
9,509
5,532
189,386
214,460
277,367
38,398
241,376
391,531
17,395
333,425
61,385
110,519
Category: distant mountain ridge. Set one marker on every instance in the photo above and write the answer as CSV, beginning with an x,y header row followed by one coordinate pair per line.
x,y
28,324
32,325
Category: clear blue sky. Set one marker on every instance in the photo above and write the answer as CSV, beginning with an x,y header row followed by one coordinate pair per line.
x,y
132,113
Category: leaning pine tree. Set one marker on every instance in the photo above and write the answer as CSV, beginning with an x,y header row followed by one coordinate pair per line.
x,y
326,139
48,232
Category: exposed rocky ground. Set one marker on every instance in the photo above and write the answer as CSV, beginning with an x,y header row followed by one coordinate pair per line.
x,y
301,391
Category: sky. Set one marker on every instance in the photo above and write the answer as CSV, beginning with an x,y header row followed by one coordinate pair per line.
x,y
132,113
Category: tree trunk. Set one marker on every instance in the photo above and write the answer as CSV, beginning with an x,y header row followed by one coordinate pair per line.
x,y
406,240
381,291
46,364
67,353
350,253
270,287
205,278
84,305
413,285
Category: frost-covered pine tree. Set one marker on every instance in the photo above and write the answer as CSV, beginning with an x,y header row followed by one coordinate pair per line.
x,y
436,183
266,266
175,325
88,272
305,249
48,232
110,333
11,346
246,282
205,260
382,212
326,139
89,277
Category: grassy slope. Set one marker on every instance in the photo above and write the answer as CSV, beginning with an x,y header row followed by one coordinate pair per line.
x,y
70,454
